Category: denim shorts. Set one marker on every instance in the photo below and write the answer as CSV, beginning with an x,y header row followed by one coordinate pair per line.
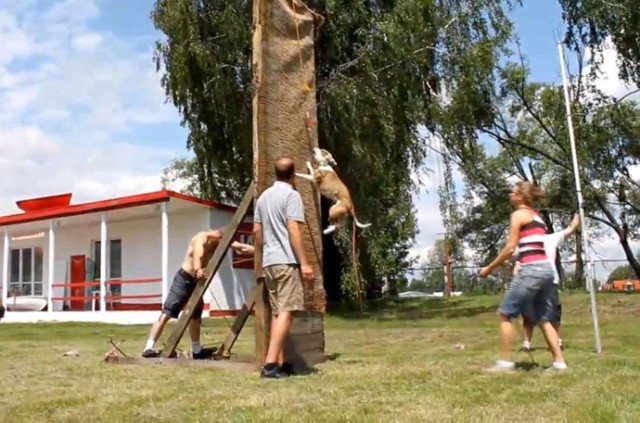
x,y
557,317
532,293
181,289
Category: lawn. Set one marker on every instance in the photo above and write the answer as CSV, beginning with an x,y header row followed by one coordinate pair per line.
x,y
396,364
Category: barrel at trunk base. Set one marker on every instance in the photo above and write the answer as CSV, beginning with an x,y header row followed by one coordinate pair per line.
x,y
305,345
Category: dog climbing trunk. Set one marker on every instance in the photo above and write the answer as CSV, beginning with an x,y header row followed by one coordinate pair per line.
x,y
284,114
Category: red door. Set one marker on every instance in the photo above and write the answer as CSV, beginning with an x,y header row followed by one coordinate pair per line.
x,y
78,275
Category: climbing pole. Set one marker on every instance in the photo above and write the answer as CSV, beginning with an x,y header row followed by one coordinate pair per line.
x,y
284,116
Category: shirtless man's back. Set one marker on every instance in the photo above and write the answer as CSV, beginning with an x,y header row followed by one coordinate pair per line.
x,y
199,251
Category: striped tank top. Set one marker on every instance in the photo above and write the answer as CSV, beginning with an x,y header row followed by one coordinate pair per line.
x,y
531,242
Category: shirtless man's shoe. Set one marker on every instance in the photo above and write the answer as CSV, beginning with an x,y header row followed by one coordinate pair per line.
x,y
204,354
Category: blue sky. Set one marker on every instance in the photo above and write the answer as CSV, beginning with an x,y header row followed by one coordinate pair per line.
x,y
82,110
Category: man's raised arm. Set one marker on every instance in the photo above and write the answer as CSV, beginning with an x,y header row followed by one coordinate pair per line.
x,y
573,226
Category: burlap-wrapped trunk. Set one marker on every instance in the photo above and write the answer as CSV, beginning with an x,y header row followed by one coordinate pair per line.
x,y
283,107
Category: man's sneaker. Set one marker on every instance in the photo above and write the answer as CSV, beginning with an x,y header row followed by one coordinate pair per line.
x,y
150,353
502,367
287,368
556,368
276,373
204,354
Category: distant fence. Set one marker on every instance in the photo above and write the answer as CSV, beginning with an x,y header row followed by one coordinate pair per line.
x,y
465,278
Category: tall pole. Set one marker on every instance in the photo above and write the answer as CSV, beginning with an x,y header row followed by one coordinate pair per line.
x,y
583,227
284,116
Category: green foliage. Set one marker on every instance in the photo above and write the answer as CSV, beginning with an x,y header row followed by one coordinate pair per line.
x,y
380,68
593,22
180,175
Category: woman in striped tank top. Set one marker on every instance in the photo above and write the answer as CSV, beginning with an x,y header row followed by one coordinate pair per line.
x,y
531,290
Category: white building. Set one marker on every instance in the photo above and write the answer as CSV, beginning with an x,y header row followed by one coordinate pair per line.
x,y
53,251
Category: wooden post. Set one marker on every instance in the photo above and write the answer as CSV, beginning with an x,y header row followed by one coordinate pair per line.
x,y
239,322
448,274
212,268
284,112
262,325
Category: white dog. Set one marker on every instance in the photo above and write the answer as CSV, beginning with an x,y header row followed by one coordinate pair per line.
x,y
330,186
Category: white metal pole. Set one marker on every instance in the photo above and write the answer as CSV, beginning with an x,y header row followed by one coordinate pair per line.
x,y
583,226
5,268
52,255
165,252
103,263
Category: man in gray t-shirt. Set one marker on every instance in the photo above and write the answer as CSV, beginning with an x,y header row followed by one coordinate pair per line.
x,y
280,258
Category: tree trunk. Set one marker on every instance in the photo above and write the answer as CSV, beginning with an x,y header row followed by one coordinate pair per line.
x,y
284,103
633,261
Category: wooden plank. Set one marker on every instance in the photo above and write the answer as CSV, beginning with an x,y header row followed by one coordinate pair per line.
x,y
243,364
213,266
262,326
239,322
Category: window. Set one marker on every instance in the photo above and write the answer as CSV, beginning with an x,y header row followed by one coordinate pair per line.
x,y
26,271
114,262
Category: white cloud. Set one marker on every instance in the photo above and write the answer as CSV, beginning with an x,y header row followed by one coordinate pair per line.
x,y
609,80
72,102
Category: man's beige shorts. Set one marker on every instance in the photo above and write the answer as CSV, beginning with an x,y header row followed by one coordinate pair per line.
x,y
285,288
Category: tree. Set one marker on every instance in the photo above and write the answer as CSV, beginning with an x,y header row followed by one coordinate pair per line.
x,y
180,175
379,66
528,129
593,23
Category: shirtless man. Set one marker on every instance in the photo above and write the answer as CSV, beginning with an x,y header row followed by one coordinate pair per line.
x,y
200,250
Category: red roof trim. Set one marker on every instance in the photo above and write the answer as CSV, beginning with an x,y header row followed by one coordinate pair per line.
x,y
106,205
209,203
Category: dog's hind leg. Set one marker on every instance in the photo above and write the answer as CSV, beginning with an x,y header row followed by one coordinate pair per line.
x,y
337,213
330,229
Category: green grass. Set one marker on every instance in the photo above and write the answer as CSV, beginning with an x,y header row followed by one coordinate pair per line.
x,y
397,364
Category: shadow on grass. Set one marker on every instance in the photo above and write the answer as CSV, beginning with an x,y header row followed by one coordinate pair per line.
x,y
526,366
414,309
305,371
332,357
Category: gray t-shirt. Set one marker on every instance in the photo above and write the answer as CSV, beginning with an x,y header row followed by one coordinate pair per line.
x,y
274,207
